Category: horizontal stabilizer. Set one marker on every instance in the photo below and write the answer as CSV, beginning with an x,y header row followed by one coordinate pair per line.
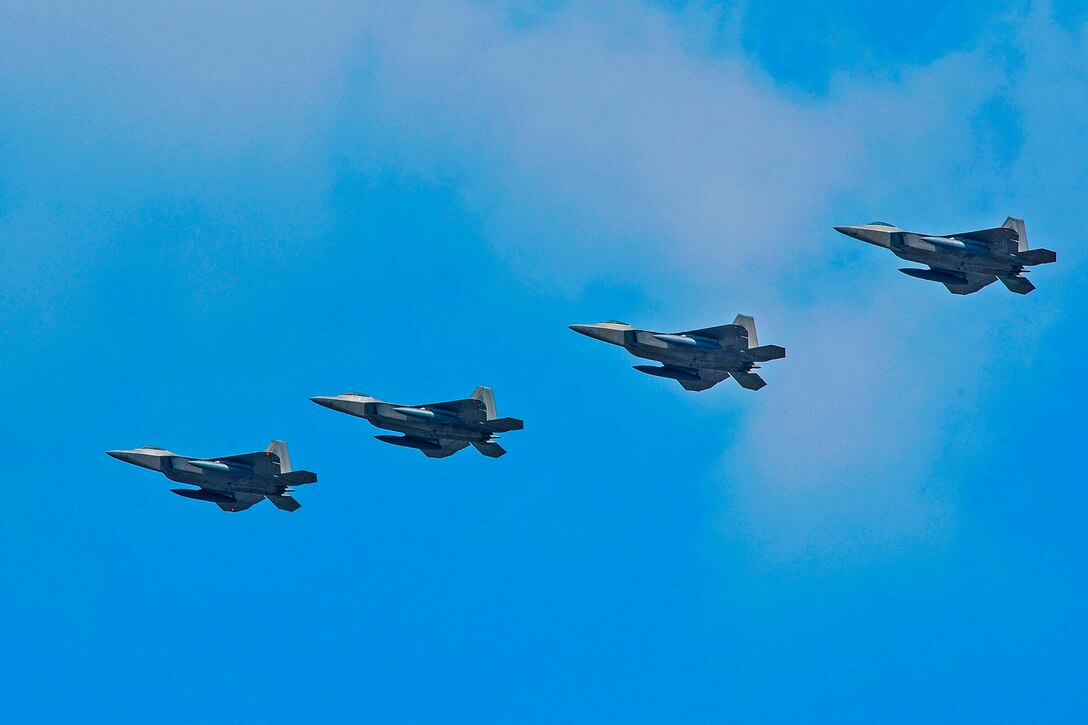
x,y
766,352
298,478
490,449
502,425
751,381
1037,256
1019,285
284,503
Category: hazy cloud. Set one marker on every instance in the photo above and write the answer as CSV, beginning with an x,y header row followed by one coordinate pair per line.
x,y
606,143
595,147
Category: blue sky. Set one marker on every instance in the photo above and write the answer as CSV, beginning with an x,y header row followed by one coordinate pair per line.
x,y
209,215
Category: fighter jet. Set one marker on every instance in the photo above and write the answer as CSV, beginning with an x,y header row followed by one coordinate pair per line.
x,y
437,429
964,262
233,483
697,359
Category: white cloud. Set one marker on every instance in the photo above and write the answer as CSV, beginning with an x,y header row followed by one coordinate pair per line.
x,y
589,142
598,147
602,144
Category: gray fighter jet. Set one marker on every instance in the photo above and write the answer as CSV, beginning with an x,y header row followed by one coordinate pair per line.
x,y
233,483
697,359
964,262
437,429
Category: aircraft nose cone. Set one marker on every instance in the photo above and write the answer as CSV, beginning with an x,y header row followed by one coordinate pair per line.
x,y
603,332
326,401
877,234
119,455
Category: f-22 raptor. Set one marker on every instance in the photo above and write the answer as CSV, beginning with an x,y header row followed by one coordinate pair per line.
x,y
964,262
233,483
437,429
697,359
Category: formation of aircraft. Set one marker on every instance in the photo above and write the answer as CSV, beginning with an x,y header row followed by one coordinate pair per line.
x,y
698,359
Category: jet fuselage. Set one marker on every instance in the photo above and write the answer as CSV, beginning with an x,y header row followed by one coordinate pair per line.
x,y
227,477
234,483
416,422
959,255
682,351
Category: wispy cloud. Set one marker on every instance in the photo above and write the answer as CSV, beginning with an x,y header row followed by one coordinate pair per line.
x,y
606,144
605,147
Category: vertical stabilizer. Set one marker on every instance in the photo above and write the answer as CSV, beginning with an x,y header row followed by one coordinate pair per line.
x,y
487,396
1017,225
280,449
748,323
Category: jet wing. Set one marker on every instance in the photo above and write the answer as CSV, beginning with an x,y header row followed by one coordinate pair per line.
x,y
729,337
241,502
469,410
444,448
1001,240
971,283
706,379
262,463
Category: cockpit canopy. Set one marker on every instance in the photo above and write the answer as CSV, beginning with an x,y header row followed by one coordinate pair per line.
x,y
613,322
880,224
